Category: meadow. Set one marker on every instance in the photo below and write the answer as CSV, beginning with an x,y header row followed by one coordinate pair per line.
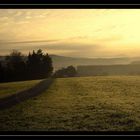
x,y
9,88
99,103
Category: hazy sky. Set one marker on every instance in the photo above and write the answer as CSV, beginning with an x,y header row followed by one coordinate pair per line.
x,y
71,32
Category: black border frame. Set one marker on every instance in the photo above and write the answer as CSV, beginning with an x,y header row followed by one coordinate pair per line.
x,y
61,5
54,2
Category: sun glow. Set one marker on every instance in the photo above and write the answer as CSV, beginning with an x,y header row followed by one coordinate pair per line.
x,y
100,32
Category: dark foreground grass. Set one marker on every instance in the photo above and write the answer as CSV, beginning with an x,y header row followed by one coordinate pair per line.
x,y
21,96
102,103
7,89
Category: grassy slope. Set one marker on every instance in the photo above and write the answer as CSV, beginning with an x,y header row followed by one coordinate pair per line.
x,y
90,103
10,88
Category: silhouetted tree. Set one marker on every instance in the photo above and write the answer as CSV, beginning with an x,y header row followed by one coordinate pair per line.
x,y
47,65
70,71
39,65
15,66
1,73
60,73
36,66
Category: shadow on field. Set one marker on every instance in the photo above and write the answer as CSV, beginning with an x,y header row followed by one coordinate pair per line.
x,y
26,94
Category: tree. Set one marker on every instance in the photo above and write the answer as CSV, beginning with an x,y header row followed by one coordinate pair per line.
x,y
47,65
39,65
60,73
70,71
1,72
14,57
15,66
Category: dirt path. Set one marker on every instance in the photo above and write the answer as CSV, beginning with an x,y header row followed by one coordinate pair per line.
x,y
24,95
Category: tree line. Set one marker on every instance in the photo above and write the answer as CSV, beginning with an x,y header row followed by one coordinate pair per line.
x,y
17,67
37,65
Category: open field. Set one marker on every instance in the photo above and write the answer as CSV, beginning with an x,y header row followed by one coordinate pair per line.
x,y
7,89
100,103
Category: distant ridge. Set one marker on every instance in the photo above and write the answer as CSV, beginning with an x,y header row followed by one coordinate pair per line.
x,y
119,69
64,61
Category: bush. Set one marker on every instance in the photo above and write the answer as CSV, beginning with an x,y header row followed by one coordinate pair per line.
x,y
70,71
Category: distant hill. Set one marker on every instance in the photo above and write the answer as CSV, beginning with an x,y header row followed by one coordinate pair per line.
x,y
62,61
135,62
93,70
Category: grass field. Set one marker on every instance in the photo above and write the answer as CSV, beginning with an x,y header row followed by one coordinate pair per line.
x,y
10,88
101,103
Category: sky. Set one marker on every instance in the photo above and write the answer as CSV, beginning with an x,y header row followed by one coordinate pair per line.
x,y
71,32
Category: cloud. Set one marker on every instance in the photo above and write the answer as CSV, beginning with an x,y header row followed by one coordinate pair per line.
x,y
78,37
5,18
26,42
95,40
110,38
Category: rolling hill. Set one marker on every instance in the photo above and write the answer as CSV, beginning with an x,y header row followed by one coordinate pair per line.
x,y
63,61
